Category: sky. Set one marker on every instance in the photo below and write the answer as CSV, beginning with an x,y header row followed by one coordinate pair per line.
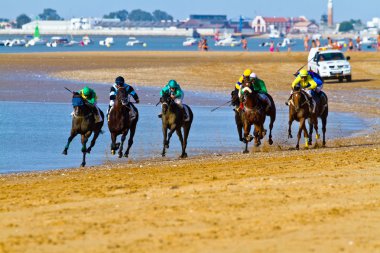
x,y
312,9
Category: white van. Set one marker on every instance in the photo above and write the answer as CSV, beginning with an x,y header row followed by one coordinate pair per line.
x,y
329,63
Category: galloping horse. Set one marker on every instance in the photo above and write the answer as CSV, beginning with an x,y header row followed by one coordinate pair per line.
x,y
83,123
173,119
239,116
119,122
299,111
321,111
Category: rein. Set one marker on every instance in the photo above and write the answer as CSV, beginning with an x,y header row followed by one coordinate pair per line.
x,y
304,96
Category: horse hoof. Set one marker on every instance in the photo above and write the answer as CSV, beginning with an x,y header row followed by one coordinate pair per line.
x,y
88,151
126,155
290,136
163,155
270,141
297,147
324,144
184,155
83,164
64,152
120,155
257,144
112,152
245,152
317,136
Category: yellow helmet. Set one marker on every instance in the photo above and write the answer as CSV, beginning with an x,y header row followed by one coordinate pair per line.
x,y
247,72
303,73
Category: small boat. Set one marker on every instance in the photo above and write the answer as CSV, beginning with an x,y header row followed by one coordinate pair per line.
x,y
264,44
107,42
57,41
190,42
274,34
132,41
86,40
36,39
286,43
229,40
17,43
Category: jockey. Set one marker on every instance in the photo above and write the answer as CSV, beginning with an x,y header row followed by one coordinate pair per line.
x,y
120,83
173,89
259,86
243,79
89,95
305,81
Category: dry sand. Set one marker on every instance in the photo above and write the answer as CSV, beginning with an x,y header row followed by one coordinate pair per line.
x,y
272,200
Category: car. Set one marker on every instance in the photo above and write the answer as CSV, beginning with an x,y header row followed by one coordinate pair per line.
x,y
329,63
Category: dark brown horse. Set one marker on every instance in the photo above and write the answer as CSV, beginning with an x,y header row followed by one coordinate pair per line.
x,y
173,120
119,122
321,111
299,111
238,116
83,123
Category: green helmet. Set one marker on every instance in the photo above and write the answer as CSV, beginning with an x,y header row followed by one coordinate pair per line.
x,y
173,84
86,91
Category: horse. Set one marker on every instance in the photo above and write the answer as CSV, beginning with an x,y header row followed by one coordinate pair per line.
x,y
83,123
321,111
238,116
119,122
299,111
173,119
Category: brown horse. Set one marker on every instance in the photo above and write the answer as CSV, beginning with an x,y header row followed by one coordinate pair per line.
x,y
83,123
119,122
321,111
173,119
299,111
238,116
253,114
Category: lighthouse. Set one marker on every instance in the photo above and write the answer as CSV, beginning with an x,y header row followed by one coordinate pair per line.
x,y
330,22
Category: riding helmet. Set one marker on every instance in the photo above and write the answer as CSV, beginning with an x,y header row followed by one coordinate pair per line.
x,y
173,84
119,80
247,72
86,91
303,73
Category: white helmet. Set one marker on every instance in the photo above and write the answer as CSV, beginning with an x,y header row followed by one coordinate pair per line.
x,y
252,76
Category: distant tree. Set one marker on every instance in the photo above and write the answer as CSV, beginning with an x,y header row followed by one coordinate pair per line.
x,y
49,14
346,26
324,19
161,15
4,20
140,15
122,15
355,22
22,20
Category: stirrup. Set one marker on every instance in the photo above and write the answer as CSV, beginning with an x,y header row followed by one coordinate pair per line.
x,y
159,115
287,103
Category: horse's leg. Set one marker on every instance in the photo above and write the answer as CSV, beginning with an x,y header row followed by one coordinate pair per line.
x,y
84,141
239,126
301,127
123,137
172,129
270,130
165,134
186,131
311,123
179,133
324,122
305,134
316,128
247,136
290,128
114,145
130,140
258,134
72,136
96,134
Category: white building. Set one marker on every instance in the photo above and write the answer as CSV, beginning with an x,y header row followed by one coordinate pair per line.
x,y
374,23
305,27
47,26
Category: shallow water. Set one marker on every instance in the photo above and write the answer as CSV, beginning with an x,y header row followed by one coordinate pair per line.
x,y
33,135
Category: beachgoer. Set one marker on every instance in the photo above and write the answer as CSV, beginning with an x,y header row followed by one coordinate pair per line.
x,y
306,43
244,43
317,42
271,47
350,45
313,44
378,42
358,46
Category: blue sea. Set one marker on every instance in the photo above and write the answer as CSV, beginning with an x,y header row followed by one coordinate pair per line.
x,y
153,43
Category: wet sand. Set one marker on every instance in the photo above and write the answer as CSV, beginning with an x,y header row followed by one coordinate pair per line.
x,y
272,200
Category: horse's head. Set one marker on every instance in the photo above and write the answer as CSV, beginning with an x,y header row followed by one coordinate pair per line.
x,y
78,104
166,101
250,97
298,99
122,96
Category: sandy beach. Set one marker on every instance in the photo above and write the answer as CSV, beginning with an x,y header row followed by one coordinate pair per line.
x,y
275,199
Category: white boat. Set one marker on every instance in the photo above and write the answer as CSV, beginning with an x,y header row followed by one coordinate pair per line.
x,y
190,42
228,41
16,43
57,41
132,41
274,34
286,43
86,40
107,42
264,44
36,40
